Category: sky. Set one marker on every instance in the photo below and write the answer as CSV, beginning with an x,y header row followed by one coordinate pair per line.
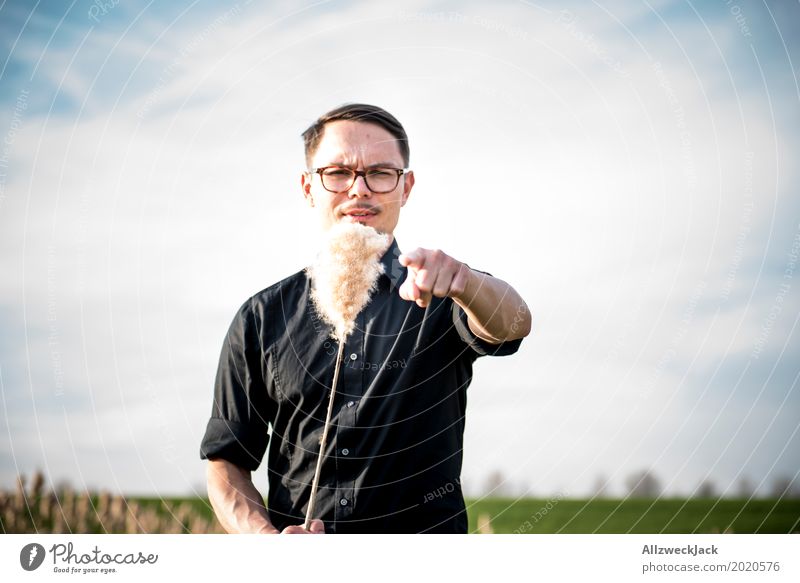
x,y
630,168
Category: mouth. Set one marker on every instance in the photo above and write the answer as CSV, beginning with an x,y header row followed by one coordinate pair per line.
x,y
359,215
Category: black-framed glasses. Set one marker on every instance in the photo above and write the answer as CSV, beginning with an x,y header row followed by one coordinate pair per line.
x,y
337,179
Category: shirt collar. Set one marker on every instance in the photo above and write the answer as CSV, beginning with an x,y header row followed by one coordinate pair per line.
x,y
393,272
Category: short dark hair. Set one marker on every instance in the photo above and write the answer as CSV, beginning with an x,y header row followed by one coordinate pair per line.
x,y
356,112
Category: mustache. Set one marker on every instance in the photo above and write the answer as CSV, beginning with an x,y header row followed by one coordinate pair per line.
x,y
359,207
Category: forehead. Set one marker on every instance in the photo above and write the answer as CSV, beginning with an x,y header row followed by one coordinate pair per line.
x,y
354,142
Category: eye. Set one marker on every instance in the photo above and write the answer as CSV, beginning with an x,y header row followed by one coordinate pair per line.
x,y
338,172
381,173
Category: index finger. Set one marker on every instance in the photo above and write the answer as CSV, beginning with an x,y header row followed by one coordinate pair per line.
x,y
415,258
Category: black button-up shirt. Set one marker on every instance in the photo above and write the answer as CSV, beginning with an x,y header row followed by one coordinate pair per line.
x,y
394,451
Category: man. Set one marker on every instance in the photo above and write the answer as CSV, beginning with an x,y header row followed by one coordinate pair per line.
x,y
393,461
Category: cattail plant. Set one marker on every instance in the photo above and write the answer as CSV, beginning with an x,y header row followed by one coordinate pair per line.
x,y
343,277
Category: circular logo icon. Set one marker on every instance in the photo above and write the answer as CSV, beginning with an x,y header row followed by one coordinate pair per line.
x,y
31,556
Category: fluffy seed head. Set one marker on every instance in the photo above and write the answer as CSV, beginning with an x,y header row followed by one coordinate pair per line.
x,y
345,274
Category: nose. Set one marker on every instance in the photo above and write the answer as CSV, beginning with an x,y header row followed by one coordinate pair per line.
x,y
359,188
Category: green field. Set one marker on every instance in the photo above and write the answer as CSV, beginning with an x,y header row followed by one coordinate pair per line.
x,y
92,513
676,516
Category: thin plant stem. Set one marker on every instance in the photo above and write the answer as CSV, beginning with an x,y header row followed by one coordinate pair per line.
x,y
324,440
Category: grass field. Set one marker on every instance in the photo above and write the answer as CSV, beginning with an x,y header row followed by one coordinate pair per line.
x,y
676,516
637,515
32,509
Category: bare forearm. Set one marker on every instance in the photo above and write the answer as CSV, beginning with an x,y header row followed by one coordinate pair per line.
x,y
236,501
496,312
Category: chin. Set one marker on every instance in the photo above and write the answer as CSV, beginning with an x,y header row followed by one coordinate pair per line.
x,y
369,221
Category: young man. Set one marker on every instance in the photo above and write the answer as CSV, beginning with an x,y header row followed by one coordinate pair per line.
x,y
393,461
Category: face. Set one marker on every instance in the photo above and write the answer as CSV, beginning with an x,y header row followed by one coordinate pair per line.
x,y
358,146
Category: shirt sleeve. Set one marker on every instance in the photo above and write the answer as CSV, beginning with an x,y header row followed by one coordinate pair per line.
x,y
242,409
480,346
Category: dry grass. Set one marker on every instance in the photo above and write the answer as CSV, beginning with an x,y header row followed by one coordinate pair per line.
x,y
34,510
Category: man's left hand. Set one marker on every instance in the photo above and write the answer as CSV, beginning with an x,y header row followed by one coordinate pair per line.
x,y
432,273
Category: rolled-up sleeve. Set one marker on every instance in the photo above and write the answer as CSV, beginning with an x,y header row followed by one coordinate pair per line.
x,y
242,409
479,345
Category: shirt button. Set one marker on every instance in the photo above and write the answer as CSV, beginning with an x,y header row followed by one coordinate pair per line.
x,y
353,356
343,501
345,451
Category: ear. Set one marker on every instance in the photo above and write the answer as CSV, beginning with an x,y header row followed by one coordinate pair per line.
x,y
408,184
305,184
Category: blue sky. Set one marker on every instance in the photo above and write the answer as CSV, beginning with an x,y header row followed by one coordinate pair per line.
x,y
629,167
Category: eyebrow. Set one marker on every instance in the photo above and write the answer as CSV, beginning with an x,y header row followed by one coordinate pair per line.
x,y
376,165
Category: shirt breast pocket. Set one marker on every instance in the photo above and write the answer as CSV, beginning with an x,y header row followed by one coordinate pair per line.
x,y
301,372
